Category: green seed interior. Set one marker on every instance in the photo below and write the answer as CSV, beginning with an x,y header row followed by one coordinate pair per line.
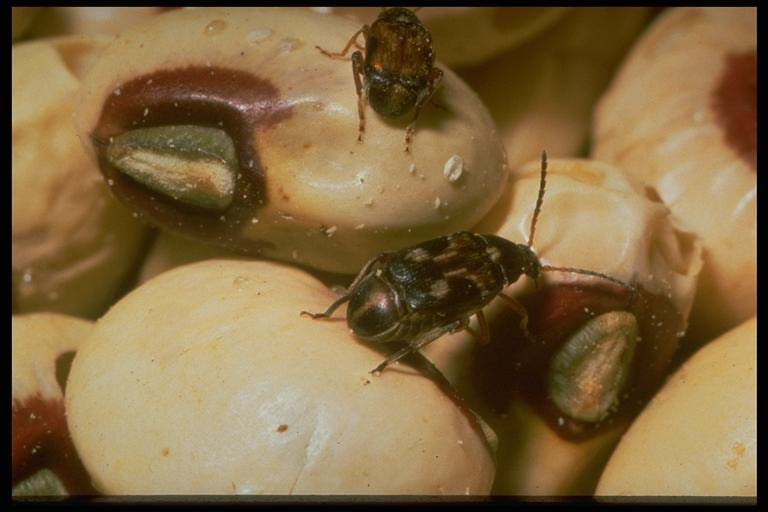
x,y
192,164
43,483
588,374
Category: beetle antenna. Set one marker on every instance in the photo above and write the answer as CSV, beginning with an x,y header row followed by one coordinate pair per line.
x,y
540,199
632,289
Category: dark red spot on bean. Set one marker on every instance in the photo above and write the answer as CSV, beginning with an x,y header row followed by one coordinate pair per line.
x,y
237,102
40,439
512,367
282,428
735,104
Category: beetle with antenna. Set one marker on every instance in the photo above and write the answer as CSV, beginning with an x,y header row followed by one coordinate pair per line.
x,y
419,293
398,71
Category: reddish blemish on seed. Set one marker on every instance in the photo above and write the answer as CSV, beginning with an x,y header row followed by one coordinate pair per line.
x,y
239,103
40,439
165,452
282,428
735,104
512,367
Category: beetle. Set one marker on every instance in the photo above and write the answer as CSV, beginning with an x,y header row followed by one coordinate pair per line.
x,y
421,292
398,72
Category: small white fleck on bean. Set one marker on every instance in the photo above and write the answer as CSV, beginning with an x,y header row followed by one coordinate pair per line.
x,y
289,44
215,26
453,168
256,36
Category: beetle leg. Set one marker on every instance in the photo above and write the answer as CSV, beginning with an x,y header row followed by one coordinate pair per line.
x,y
482,335
344,298
357,71
435,79
520,310
417,343
429,370
463,324
352,40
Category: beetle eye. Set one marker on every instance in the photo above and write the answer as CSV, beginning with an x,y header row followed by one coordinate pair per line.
x,y
372,310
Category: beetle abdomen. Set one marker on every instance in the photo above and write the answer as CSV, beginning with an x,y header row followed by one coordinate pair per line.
x,y
453,275
400,46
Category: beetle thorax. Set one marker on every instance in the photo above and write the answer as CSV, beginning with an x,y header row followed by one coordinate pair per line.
x,y
513,259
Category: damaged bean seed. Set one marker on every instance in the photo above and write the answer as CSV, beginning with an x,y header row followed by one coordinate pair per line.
x,y
192,164
590,371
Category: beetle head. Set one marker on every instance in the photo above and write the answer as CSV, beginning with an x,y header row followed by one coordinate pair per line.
x,y
513,259
529,262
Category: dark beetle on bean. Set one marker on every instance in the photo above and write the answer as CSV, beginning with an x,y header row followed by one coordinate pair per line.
x,y
398,73
419,293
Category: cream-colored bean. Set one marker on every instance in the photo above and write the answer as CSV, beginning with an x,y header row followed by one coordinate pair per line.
x,y
169,251
680,117
308,192
541,93
205,380
88,20
38,425
72,244
698,436
37,339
